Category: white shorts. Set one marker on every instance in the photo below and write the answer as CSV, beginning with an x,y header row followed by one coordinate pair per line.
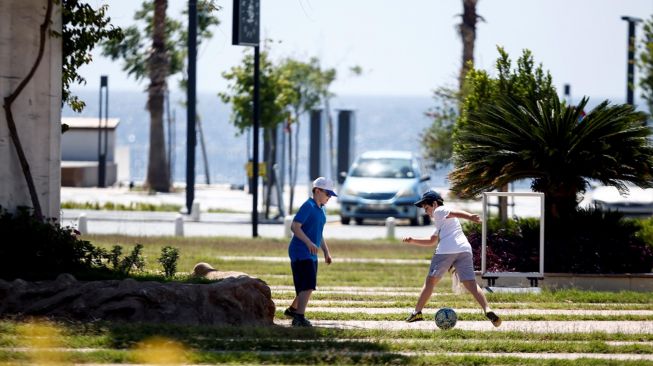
x,y
463,262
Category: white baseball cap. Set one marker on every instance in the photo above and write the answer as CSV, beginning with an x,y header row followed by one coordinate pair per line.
x,y
325,184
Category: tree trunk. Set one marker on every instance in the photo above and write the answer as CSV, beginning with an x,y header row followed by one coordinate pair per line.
x,y
468,34
200,132
158,177
503,205
560,202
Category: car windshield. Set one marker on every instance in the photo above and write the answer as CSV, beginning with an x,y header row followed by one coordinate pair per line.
x,y
383,168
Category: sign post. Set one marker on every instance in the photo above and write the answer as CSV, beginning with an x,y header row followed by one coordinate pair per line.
x,y
245,32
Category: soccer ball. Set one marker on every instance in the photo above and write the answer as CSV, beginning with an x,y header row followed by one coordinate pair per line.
x,y
446,318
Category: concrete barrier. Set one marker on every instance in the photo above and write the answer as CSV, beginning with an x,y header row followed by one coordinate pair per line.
x,y
390,224
82,224
179,225
195,211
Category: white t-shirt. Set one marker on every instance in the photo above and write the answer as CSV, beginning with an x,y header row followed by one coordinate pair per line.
x,y
452,238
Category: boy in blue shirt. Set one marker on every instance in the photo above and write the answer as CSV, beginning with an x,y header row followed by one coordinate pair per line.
x,y
307,227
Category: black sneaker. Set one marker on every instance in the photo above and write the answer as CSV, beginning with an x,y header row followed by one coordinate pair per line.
x,y
301,322
494,318
290,312
415,317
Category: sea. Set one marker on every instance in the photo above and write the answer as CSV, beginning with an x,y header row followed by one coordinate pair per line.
x,y
381,123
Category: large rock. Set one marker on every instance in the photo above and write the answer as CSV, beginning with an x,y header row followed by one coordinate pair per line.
x,y
238,300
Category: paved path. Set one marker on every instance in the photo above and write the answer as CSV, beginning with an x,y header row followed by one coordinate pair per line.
x,y
501,312
485,326
343,260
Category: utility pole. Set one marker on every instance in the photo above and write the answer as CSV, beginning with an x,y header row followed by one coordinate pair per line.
x,y
191,137
630,76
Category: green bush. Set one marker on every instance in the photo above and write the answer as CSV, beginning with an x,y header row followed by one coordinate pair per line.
x,y
590,241
134,261
36,249
645,231
511,247
595,241
168,259
114,257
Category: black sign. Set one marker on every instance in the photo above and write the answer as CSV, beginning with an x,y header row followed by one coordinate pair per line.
x,y
246,23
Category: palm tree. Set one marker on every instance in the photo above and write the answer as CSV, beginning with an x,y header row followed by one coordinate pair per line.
x,y
158,177
467,31
556,146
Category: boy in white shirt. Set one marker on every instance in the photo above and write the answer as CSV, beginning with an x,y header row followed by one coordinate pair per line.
x,y
453,250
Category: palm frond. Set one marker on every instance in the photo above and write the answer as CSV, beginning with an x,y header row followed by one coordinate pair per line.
x,y
553,143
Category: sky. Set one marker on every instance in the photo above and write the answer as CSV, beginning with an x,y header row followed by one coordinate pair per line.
x,y
411,47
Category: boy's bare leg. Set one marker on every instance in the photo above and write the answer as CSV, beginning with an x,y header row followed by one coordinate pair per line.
x,y
427,291
294,302
302,301
477,292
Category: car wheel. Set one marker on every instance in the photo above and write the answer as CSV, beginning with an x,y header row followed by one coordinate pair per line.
x,y
414,221
359,221
345,220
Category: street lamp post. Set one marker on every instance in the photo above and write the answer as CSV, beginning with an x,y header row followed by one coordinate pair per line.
x,y
630,77
102,148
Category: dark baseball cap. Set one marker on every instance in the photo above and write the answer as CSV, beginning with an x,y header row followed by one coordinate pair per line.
x,y
428,197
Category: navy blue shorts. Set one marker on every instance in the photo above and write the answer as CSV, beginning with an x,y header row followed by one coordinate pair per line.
x,y
304,275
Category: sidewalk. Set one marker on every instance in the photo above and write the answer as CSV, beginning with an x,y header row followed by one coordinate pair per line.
x,y
235,222
236,218
223,197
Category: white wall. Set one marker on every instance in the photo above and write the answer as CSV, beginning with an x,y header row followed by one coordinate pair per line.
x,y
37,111
80,144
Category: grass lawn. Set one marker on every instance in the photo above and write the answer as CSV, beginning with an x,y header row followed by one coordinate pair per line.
x,y
393,286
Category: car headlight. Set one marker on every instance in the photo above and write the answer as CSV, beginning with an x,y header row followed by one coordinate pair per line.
x,y
406,192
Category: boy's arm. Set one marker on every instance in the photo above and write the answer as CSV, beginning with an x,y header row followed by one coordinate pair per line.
x,y
464,215
327,253
296,228
424,242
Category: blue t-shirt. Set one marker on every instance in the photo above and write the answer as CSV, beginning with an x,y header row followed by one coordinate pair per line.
x,y
312,217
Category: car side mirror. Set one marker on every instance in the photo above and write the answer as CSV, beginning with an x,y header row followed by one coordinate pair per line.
x,y
424,178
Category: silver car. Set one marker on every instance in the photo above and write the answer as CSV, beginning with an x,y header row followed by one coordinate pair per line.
x,y
382,184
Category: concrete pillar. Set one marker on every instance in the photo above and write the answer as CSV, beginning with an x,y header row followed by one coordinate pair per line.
x,y
82,224
37,111
390,228
195,211
179,225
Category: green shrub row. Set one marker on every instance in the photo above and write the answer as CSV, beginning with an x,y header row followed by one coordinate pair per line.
x,y
33,249
590,241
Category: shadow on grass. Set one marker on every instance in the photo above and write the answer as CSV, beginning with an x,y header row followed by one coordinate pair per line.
x,y
266,344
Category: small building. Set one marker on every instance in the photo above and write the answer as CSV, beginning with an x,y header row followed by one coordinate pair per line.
x,y
80,154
